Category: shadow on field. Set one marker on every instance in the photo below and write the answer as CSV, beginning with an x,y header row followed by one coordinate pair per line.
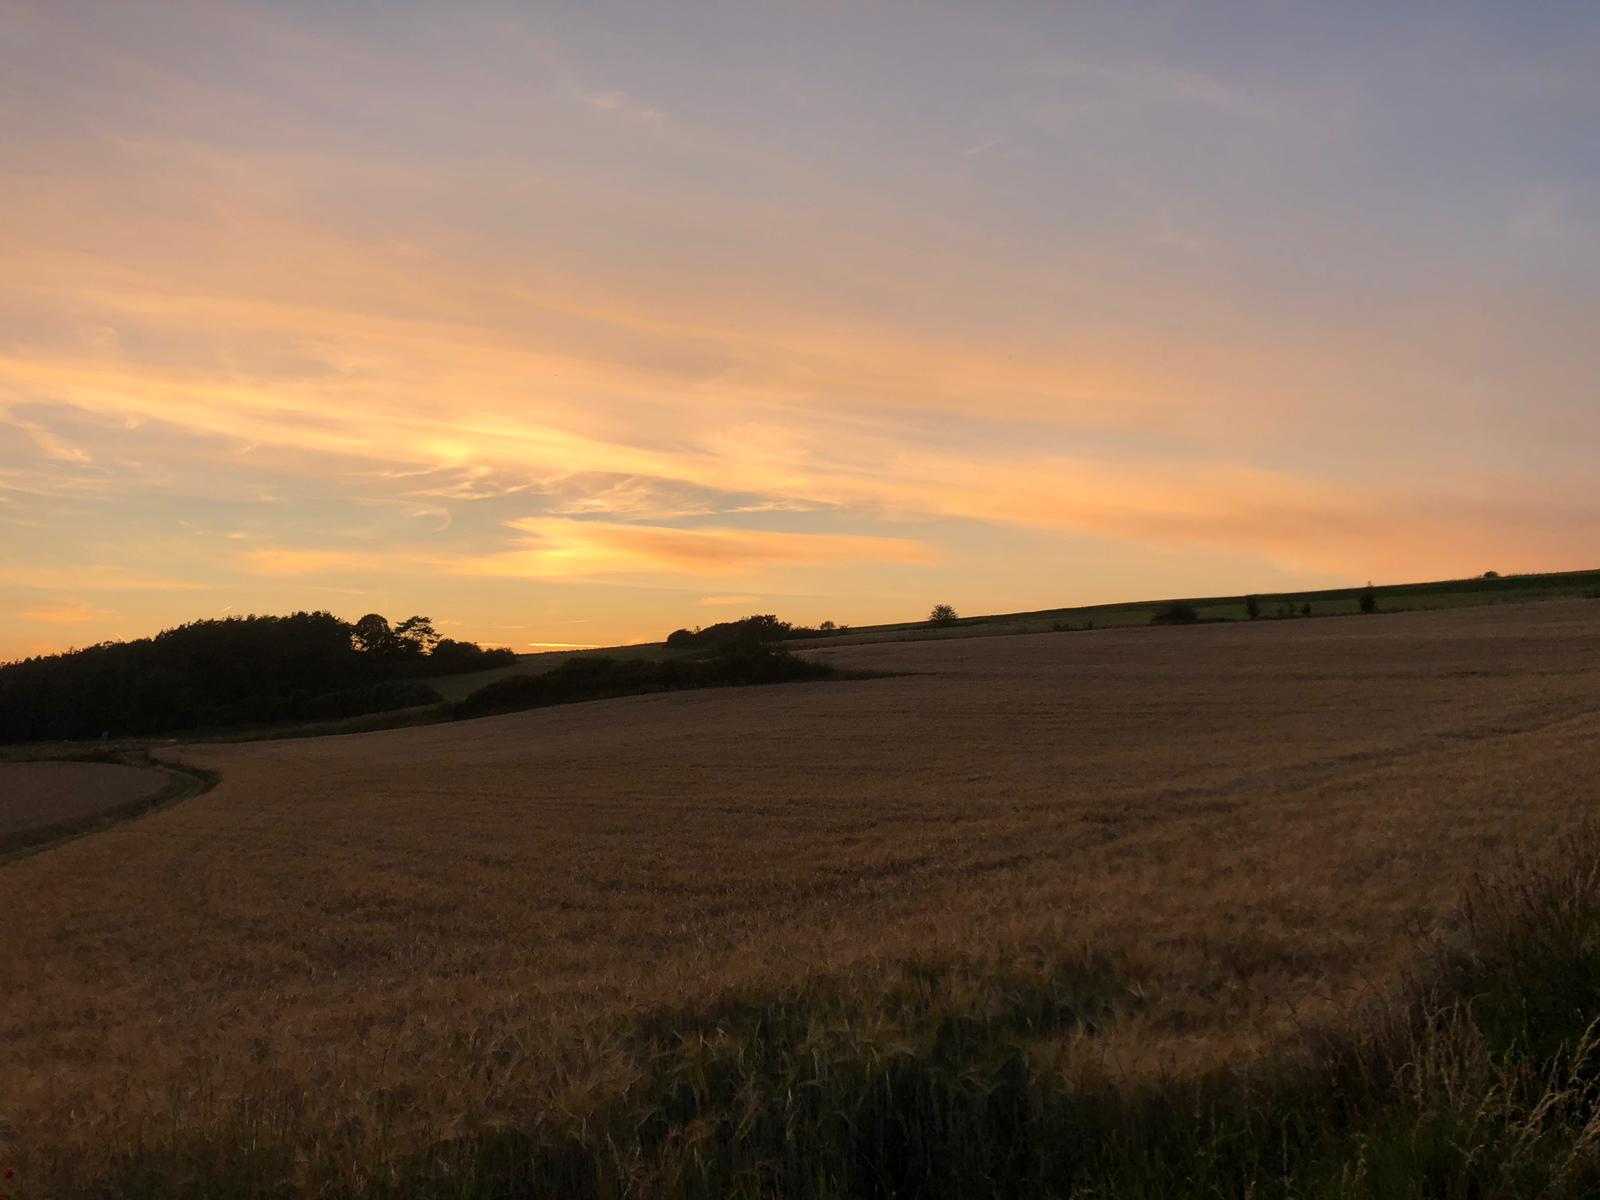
x,y
932,1079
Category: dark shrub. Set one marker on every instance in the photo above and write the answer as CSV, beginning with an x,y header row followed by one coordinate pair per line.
x,y
1252,607
1175,612
597,677
1369,600
379,697
450,657
942,614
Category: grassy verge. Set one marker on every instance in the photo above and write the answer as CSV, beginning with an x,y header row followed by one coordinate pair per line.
x,y
941,1079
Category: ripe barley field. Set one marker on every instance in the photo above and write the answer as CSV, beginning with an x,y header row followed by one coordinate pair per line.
x,y
1150,855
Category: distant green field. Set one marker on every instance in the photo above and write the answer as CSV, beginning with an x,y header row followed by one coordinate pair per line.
x,y
1331,602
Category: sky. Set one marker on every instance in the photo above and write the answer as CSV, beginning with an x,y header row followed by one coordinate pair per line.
x,y
574,323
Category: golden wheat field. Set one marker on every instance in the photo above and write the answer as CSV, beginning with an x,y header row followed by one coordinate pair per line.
x,y
418,932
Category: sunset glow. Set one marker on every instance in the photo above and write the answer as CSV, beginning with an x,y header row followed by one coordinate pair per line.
x,y
568,324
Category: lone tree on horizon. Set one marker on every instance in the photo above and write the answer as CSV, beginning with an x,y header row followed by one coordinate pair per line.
x,y
942,614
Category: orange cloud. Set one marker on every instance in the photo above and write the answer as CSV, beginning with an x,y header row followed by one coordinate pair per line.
x,y
563,548
556,547
287,561
71,612
90,577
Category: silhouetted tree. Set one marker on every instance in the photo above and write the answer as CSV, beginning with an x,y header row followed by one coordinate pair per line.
x,y
412,638
942,614
1369,600
415,636
373,635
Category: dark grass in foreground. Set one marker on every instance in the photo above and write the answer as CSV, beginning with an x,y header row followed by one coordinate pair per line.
x,y
933,1079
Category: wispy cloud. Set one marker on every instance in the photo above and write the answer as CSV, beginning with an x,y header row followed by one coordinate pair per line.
x,y
1545,214
655,499
621,105
89,577
985,145
560,547
286,561
69,612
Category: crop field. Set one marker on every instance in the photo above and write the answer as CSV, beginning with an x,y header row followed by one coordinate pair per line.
x,y
1151,855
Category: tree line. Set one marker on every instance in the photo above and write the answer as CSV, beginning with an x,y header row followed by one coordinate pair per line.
x,y
755,630
232,671
747,631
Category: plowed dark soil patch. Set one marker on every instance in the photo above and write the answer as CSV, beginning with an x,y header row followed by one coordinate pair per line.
x,y
44,794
